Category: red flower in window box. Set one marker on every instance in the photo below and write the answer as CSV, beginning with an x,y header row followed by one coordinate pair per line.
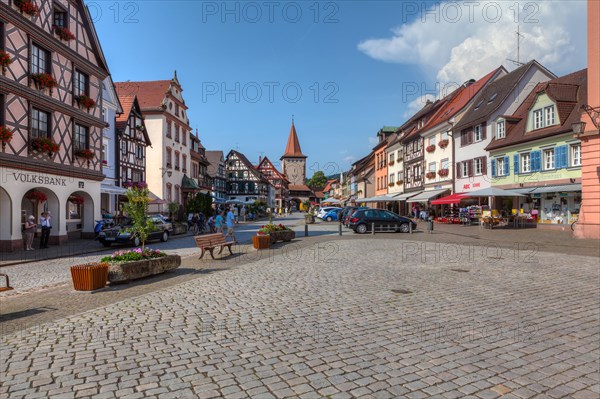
x,y
27,7
443,143
44,81
430,175
44,144
400,182
430,148
5,60
85,154
443,172
104,162
63,33
76,199
85,101
5,135
37,196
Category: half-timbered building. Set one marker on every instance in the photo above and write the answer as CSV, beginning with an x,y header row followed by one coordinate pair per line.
x,y
51,103
131,142
245,183
277,180
216,171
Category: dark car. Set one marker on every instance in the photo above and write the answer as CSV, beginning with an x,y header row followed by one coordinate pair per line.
x,y
347,211
362,220
121,234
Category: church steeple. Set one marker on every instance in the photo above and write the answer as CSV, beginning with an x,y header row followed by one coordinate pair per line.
x,y
293,150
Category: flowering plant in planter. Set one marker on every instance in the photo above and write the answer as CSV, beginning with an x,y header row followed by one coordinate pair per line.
x,y
270,227
76,199
44,144
390,184
133,255
27,7
139,185
63,33
443,172
5,135
85,101
86,153
5,60
443,143
390,163
430,175
44,81
430,148
37,196
400,182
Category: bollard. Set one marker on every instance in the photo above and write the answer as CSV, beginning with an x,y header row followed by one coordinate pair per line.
x,y
410,227
430,225
340,228
305,230
373,228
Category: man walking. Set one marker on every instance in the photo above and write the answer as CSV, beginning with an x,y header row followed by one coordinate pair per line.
x,y
46,224
230,222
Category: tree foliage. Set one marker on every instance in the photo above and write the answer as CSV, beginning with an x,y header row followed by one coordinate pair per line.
x,y
318,179
137,209
200,203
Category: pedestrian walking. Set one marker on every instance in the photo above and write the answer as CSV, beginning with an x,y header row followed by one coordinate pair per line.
x,y
28,232
46,224
230,222
220,221
243,214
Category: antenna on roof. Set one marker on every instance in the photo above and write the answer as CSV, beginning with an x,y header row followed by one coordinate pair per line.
x,y
519,36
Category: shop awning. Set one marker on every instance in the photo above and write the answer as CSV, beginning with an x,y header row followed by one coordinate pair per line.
x,y
557,189
379,198
450,199
425,196
521,190
110,189
405,196
189,183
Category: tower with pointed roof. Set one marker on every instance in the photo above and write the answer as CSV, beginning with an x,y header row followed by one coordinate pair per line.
x,y
293,161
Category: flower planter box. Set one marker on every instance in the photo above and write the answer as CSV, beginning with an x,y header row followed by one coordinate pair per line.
x,y
128,271
89,277
285,235
180,228
261,242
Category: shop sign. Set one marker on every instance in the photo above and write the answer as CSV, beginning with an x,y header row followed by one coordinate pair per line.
x,y
563,194
39,179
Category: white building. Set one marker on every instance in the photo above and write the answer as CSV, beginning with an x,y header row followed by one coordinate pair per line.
x,y
110,108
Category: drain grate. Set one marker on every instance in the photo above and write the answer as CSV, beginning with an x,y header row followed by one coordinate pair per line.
x,y
460,270
401,291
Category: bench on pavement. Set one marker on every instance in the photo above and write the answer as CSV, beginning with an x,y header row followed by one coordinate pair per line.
x,y
210,242
6,287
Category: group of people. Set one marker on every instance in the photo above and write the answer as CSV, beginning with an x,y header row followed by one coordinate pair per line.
x,y
222,222
422,213
30,227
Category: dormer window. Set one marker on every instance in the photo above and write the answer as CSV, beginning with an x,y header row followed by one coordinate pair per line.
x,y
478,105
500,129
492,98
549,115
544,117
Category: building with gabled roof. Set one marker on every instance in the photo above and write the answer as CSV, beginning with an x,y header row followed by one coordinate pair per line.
x,y
245,183
216,171
277,179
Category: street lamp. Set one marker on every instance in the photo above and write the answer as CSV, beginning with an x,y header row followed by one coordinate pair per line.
x,y
594,114
578,128
166,171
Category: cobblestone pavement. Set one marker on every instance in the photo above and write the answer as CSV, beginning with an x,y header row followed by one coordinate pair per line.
x,y
329,321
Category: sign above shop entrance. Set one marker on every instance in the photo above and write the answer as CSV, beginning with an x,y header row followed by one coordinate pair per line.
x,y
39,179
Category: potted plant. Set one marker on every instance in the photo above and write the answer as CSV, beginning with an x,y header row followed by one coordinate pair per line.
x,y
443,172
261,240
5,136
44,81
391,184
133,264
44,144
430,148
63,33
89,277
85,153
85,101
27,7
76,199
5,60
37,196
400,182
430,175
443,143
391,162
277,232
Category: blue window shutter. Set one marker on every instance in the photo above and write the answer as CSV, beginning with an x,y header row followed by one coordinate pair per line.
x,y
507,166
493,168
562,157
516,163
536,157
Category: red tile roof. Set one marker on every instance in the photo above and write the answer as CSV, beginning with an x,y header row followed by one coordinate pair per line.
x,y
299,187
150,94
293,145
127,101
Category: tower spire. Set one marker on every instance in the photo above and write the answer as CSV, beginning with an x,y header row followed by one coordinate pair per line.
x,y
293,149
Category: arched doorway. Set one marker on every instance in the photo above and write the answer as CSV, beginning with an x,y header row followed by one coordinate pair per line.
x,y
39,200
79,215
6,207
295,203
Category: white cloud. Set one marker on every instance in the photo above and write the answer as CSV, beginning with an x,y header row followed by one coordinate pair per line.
x,y
474,44
418,103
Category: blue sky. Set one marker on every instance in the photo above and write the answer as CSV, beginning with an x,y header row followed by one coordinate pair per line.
x,y
354,62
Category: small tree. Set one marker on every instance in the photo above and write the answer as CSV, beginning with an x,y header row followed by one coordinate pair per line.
x,y
137,210
173,207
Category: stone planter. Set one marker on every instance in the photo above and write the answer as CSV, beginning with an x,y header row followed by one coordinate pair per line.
x,y
89,277
180,228
309,218
128,271
283,235
261,242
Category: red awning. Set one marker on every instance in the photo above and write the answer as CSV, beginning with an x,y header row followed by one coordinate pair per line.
x,y
451,199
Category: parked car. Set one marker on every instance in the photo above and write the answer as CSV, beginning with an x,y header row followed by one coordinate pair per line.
x,y
121,234
324,210
332,215
347,212
362,220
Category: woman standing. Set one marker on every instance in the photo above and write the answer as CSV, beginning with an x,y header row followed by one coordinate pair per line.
x,y
28,232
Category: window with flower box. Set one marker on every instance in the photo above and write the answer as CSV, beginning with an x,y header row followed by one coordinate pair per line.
x,y
40,60
40,124
81,84
80,138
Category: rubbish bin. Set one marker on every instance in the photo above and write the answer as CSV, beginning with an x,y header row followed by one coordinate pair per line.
x,y
430,224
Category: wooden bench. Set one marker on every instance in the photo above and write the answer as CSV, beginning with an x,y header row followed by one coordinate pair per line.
x,y
7,287
210,242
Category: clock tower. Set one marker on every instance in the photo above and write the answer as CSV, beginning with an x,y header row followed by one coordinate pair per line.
x,y
293,161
